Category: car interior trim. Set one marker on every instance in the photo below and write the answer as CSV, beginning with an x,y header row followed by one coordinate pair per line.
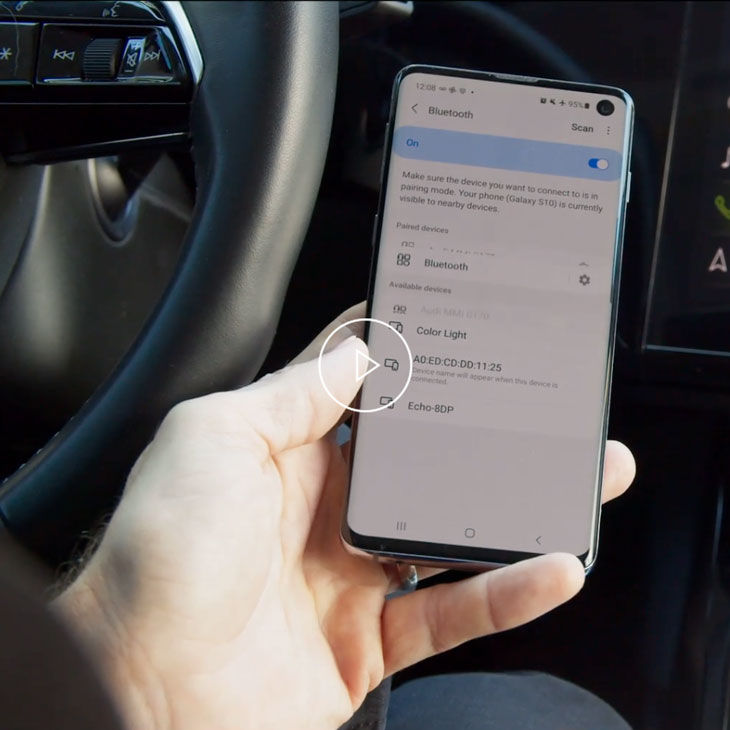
x,y
663,199
179,20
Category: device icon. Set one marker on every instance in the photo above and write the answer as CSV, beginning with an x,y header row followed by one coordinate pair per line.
x,y
386,400
392,363
397,326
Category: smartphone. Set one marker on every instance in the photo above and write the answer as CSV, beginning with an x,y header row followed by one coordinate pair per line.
x,y
497,252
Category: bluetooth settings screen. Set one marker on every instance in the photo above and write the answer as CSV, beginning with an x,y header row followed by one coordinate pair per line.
x,y
495,262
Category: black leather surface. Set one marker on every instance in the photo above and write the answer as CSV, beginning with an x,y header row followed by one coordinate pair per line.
x,y
260,126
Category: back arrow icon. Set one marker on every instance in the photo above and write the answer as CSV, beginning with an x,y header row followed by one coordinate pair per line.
x,y
538,539
414,108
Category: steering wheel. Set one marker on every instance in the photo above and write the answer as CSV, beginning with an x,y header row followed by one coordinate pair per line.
x,y
259,125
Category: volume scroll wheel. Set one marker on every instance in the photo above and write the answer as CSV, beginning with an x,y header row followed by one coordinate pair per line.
x,y
101,59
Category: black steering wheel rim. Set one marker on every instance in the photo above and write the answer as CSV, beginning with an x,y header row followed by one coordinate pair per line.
x,y
260,124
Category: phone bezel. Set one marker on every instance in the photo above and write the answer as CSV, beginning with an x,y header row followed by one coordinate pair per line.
x,y
461,556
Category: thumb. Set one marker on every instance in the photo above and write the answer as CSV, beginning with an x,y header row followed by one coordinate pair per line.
x,y
292,407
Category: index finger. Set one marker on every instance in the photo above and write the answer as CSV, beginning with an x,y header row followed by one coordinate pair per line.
x,y
440,617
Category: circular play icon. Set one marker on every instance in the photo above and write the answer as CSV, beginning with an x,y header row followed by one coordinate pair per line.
x,y
387,368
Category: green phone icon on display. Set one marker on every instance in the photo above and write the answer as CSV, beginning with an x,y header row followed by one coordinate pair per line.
x,y
721,206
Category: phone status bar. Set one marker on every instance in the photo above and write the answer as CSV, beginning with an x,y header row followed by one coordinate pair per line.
x,y
448,88
462,89
567,103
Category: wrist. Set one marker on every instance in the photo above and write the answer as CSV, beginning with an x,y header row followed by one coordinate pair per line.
x,y
130,680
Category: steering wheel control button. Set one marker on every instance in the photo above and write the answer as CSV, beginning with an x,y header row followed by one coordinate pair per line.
x,y
131,58
156,64
385,372
150,60
90,54
61,54
17,52
101,59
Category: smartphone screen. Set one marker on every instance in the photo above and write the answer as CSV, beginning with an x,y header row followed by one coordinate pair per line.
x,y
497,258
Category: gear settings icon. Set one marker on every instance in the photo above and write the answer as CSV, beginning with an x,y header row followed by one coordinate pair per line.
x,y
584,279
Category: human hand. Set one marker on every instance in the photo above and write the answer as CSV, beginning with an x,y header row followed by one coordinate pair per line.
x,y
221,595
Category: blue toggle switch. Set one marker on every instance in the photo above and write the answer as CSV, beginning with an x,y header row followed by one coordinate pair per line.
x,y
599,163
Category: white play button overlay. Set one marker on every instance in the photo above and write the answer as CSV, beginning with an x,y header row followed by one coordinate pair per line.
x,y
364,365
392,359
